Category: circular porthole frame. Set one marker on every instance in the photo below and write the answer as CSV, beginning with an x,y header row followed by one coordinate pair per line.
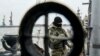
x,y
30,18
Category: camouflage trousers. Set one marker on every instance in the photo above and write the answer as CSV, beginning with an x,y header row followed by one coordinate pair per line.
x,y
58,52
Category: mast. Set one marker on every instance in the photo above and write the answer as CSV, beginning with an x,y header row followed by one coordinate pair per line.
x,y
3,23
11,22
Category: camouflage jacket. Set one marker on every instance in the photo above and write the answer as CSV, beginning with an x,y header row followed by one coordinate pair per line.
x,y
57,43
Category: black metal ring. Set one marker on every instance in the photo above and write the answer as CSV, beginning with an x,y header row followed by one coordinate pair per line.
x,y
28,22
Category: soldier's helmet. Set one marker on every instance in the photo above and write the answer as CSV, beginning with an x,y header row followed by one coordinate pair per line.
x,y
57,21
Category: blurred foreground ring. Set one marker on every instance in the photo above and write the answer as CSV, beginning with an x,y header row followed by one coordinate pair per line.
x,y
28,22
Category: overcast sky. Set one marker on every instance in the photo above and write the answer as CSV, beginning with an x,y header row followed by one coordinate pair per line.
x,y
20,7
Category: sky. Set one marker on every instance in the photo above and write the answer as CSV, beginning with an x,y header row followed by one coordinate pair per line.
x,y
20,7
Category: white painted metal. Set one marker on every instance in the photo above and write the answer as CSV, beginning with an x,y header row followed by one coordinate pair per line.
x,y
95,23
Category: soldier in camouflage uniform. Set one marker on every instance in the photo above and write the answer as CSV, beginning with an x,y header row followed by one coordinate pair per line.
x,y
57,45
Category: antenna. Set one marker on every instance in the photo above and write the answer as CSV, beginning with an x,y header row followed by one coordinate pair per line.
x,y
3,23
11,23
78,13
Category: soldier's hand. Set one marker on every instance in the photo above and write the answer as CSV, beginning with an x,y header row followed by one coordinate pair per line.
x,y
2,40
70,46
61,35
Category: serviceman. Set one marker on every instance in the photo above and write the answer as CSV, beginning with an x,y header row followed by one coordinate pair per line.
x,y
12,42
57,45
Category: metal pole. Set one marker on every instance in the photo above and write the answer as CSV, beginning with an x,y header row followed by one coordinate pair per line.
x,y
3,23
46,36
89,28
11,22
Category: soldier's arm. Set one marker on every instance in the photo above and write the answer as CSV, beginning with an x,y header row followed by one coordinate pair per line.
x,y
67,36
66,33
4,44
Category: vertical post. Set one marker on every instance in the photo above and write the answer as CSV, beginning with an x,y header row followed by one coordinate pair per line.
x,y
46,36
3,23
89,28
11,23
